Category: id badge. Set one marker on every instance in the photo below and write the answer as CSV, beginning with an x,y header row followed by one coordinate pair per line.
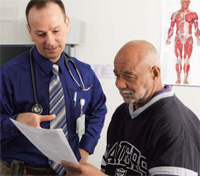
x,y
80,125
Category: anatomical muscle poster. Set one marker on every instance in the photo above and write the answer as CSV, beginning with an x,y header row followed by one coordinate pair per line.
x,y
180,42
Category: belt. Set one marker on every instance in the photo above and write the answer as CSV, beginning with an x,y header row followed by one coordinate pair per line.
x,y
29,170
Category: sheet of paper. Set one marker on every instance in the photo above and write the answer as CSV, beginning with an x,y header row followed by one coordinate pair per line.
x,y
51,142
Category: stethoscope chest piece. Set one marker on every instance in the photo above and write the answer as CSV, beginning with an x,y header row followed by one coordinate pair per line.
x,y
37,109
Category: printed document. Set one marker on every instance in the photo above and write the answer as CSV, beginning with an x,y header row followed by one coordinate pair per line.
x,y
51,142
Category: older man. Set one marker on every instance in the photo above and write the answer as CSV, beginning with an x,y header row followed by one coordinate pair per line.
x,y
153,132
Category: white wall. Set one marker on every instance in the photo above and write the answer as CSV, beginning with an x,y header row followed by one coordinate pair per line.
x,y
109,25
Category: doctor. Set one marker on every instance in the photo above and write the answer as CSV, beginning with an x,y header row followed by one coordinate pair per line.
x,y
48,26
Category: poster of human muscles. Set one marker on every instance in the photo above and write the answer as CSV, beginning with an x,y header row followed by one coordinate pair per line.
x,y
180,42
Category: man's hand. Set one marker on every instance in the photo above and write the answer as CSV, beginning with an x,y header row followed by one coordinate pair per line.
x,y
81,169
33,119
84,156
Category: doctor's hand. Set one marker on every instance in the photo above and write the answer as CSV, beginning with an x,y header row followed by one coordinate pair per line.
x,y
81,169
33,119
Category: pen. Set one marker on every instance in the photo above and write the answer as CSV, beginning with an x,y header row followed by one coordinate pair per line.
x,y
75,96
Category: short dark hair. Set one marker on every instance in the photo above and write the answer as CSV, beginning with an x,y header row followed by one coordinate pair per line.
x,y
39,4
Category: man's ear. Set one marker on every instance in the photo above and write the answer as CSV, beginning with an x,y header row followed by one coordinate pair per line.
x,y
155,72
29,31
28,28
67,23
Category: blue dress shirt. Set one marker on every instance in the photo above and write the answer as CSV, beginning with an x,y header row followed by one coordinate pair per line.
x,y
16,96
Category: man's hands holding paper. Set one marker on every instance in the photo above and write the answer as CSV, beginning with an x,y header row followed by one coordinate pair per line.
x,y
34,120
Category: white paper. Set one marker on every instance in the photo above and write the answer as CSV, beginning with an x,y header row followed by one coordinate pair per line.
x,y
51,142
104,71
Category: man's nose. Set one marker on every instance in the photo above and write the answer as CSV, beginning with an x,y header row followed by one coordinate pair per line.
x,y
50,40
120,83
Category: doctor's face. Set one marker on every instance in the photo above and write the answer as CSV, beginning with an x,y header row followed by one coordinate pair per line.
x,y
48,29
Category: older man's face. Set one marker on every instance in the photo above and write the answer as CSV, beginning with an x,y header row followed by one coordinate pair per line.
x,y
133,79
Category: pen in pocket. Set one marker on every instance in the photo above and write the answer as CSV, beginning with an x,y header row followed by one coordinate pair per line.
x,y
75,97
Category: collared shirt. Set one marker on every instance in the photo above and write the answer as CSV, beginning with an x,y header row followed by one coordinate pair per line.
x,y
17,97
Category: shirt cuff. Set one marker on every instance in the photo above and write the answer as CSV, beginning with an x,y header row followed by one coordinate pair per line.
x,y
88,143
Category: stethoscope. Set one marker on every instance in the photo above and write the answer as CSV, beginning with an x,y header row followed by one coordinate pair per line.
x,y
37,108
